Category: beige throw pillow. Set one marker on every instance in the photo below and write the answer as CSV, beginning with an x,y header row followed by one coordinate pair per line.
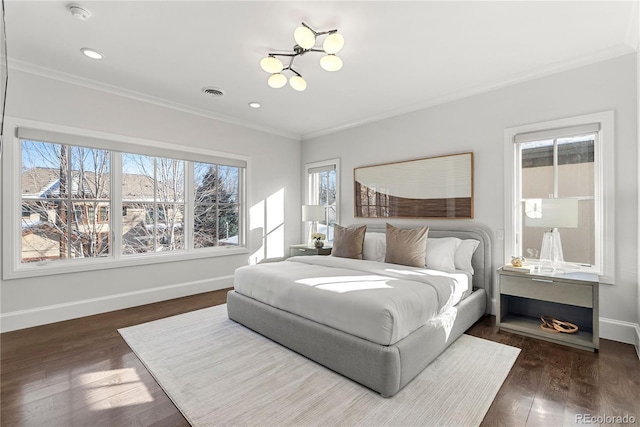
x,y
406,247
347,242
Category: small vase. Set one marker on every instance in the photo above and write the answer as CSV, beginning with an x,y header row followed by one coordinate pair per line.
x,y
318,244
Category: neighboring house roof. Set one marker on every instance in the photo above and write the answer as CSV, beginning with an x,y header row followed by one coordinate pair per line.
x,y
37,181
41,182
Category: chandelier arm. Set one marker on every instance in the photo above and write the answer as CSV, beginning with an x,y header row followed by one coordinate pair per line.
x,y
321,33
284,54
297,53
291,62
293,71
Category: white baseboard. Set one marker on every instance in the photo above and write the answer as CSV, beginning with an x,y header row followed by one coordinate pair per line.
x,y
637,343
22,319
618,330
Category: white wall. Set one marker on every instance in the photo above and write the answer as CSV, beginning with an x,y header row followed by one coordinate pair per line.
x,y
273,193
638,145
477,124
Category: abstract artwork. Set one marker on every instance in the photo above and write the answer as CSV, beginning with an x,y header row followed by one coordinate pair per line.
x,y
434,187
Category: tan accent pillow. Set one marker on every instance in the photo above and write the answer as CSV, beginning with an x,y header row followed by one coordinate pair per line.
x,y
406,247
347,242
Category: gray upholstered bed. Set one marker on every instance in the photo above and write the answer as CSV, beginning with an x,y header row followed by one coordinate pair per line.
x,y
383,368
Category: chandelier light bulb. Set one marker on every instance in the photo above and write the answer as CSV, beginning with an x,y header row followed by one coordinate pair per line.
x,y
298,83
305,38
277,80
333,43
331,63
271,65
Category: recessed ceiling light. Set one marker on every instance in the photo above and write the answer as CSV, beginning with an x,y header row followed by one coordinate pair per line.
x,y
254,104
91,53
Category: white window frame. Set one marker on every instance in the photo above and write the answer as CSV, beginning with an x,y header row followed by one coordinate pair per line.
x,y
604,188
307,197
13,268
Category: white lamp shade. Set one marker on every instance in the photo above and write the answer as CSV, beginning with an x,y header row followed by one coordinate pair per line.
x,y
277,80
333,43
297,83
271,65
312,212
551,213
331,63
304,37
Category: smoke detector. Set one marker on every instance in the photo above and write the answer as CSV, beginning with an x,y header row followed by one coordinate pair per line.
x,y
79,12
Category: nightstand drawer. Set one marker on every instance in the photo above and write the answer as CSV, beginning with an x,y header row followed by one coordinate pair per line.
x,y
547,289
301,250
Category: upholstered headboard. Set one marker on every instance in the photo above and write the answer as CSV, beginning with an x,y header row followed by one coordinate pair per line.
x,y
481,260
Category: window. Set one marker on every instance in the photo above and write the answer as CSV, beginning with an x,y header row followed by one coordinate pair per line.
x,y
323,189
175,203
216,211
566,159
560,168
59,184
154,186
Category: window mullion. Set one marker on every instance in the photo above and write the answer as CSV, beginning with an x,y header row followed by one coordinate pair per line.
x,y
69,191
217,205
555,168
155,205
189,205
115,220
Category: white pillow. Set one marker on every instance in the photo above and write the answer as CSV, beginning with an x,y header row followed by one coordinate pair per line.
x,y
441,253
375,246
464,252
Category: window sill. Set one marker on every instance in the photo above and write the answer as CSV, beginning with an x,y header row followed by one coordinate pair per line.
x,y
48,268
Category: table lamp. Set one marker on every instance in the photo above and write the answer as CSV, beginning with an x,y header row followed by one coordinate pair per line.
x,y
313,214
551,214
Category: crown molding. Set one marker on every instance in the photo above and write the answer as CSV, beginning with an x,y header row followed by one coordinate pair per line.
x,y
26,67
600,56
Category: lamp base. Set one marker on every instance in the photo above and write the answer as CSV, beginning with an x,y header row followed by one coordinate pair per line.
x,y
551,257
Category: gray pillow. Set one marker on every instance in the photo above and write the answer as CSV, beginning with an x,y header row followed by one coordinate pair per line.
x,y
406,247
347,242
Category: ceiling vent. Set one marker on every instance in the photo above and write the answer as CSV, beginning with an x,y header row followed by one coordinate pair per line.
x,y
79,12
213,91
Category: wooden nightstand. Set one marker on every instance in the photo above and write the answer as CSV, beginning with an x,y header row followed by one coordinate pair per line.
x,y
571,297
299,250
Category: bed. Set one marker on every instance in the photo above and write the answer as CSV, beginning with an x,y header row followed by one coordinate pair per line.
x,y
378,323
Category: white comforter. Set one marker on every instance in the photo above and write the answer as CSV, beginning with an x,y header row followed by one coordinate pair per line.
x,y
379,302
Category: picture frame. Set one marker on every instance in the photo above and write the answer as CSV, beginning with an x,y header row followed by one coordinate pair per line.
x,y
432,187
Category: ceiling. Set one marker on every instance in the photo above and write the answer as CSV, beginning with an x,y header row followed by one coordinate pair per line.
x,y
398,56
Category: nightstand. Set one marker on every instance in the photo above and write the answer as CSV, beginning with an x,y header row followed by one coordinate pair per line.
x,y
300,250
571,297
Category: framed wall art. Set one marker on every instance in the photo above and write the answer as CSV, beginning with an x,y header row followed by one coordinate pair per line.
x,y
434,187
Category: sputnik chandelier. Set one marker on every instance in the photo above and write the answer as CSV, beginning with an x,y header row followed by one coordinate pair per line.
x,y
305,38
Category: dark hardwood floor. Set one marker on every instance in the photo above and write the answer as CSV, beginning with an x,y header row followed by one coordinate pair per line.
x,y
82,373
554,385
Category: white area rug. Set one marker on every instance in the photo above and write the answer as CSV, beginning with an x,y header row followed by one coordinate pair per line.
x,y
218,372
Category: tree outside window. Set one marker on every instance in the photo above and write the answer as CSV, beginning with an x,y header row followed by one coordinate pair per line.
x,y
216,209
